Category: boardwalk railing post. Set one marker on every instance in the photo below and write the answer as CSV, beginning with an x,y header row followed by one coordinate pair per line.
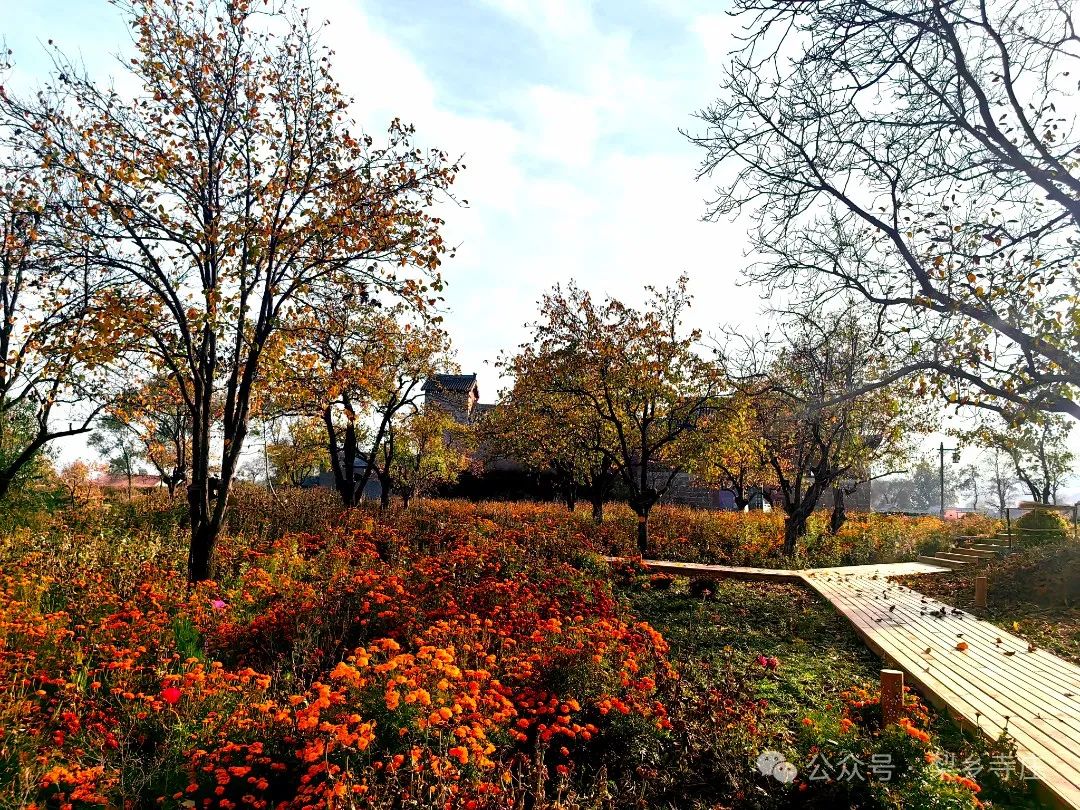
x,y
892,695
980,592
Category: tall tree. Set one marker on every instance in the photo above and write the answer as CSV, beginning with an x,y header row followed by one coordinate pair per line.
x,y
637,372
920,156
228,184
1037,448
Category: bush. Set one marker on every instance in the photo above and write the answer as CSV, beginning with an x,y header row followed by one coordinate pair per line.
x,y
1040,527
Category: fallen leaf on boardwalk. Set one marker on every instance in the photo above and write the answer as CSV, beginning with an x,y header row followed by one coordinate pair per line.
x,y
998,641
962,646
1011,652
1032,648
927,651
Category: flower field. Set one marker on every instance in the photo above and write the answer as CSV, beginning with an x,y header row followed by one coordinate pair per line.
x,y
440,657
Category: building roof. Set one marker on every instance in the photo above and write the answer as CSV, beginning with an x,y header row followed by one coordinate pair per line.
x,y
121,481
462,383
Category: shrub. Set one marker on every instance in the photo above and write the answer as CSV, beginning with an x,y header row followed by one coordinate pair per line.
x,y
1041,526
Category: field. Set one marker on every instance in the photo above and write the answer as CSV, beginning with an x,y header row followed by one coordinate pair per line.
x,y
450,655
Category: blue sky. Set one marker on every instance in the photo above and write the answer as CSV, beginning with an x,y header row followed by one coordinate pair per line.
x,y
567,115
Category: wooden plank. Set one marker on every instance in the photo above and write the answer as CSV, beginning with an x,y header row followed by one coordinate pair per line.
x,y
1020,676
960,684
703,571
950,662
946,698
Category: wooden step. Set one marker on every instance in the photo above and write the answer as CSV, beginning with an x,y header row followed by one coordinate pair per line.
x,y
994,547
943,562
964,557
985,553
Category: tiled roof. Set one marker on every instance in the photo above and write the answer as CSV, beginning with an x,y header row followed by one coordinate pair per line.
x,y
121,481
450,382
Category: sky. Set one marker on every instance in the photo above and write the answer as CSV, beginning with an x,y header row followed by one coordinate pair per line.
x,y
567,115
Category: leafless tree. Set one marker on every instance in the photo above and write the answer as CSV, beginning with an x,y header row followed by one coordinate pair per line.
x,y
920,154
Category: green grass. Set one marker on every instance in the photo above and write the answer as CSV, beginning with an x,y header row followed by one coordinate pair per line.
x,y
819,653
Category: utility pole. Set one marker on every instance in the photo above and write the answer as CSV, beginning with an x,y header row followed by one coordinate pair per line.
x,y
941,471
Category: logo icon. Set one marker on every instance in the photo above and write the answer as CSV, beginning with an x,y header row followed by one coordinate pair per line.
x,y
775,764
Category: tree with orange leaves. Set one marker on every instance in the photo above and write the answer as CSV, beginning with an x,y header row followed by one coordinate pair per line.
x,y
228,185
359,367
637,372
156,416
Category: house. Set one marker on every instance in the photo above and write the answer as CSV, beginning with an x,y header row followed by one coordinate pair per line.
x,y
458,394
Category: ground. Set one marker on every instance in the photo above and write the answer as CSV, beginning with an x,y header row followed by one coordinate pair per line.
x,y
448,655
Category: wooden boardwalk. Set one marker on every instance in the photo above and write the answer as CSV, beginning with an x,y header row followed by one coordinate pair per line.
x,y
996,683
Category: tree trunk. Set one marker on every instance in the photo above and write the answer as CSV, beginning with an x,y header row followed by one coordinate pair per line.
x,y
5,484
643,533
203,531
385,484
598,511
203,537
406,496
794,528
839,511
570,499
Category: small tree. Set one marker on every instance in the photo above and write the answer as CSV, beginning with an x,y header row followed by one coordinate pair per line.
x,y
817,426
727,451
1038,449
119,446
970,475
430,449
1002,478
156,415
77,480
298,453
356,366
548,431
636,372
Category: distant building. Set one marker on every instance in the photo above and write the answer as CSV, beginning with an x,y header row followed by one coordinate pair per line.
x,y
458,394
138,483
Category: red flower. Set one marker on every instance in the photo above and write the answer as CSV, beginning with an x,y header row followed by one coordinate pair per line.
x,y
171,695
